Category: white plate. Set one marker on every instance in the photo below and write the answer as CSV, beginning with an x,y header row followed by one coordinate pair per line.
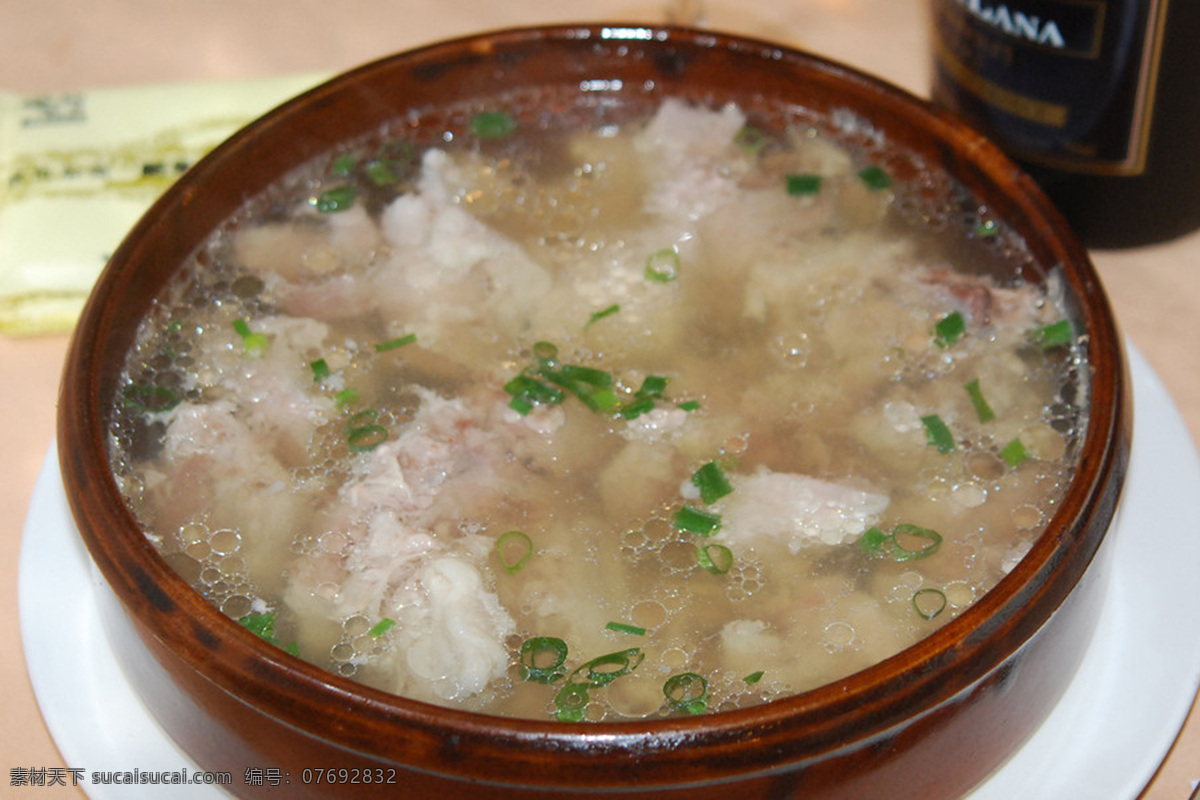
x,y
1102,741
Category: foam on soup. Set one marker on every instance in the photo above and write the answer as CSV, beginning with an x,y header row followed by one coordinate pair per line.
x,y
601,416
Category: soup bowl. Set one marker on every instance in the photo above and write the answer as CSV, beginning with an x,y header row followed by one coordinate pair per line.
x,y
932,721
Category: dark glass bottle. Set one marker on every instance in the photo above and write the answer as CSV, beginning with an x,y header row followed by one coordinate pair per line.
x,y
1099,100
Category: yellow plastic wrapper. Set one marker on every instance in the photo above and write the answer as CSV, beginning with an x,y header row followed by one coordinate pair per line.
x,y
77,170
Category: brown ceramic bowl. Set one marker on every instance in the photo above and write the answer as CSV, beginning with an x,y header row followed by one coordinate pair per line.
x,y
930,722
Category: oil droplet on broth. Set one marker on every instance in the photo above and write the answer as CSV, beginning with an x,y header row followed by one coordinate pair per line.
x,y
236,606
192,534
636,695
675,658
838,636
225,541
198,550
678,556
1027,517
648,614
959,594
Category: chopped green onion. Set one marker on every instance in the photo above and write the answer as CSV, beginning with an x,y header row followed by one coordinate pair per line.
x,y
801,185
662,266
366,438
152,399
514,548
346,397
534,664
546,354
320,370
711,482
875,178
929,602
624,627
937,434
605,400
873,541
635,408
652,386
521,405
379,173
576,374
949,329
987,228
384,168
687,692
380,628
599,315
253,343
392,344
528,392
1054,335
1014,453
689,405
716,558
750,139
293,649
261,625
592,386
905,542
570,704
339,198
493,124
533,391
982,409
547,382
605,669
343,165
753,677
362,434
698,521
927,540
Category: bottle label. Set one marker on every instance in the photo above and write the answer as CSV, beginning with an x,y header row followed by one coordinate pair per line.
x,y
1067,84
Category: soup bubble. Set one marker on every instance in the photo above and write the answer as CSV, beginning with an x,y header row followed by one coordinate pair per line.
x,y
838,636
635,695
236,606
225,541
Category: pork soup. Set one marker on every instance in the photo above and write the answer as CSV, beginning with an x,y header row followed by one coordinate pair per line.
x,y
600,417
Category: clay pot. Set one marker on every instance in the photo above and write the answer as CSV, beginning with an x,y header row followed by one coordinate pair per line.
x,y
930,722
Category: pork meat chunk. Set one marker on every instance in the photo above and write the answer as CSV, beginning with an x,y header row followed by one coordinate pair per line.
x,y
798,509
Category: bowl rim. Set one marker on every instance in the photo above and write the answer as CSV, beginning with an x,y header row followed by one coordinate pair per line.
x,y
943,665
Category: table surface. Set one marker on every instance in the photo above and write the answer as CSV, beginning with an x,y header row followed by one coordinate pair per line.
x,y
58,45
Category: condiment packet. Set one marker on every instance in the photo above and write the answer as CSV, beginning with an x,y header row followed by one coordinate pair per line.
x,y
77,170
